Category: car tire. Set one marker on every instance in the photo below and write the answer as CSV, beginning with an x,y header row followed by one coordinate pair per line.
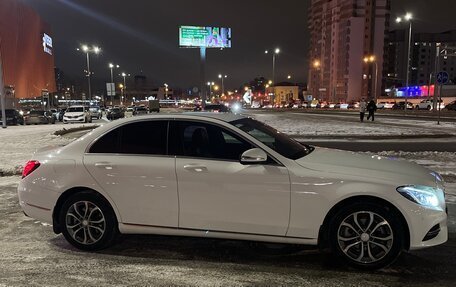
x,y
88,221
429,108
373,226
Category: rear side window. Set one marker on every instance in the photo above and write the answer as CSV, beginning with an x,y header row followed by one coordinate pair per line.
x,y
145,137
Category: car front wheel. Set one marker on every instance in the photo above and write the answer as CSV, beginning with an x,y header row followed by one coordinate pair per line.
x,y
366,236
88,222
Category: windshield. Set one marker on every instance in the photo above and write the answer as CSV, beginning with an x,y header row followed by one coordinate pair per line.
x,y
274,139
36,113
75,110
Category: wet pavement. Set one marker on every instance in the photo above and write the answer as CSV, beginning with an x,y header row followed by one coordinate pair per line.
x,y
32,255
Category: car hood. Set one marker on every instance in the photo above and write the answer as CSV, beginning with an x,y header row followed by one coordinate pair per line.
x,y
391,170
72,114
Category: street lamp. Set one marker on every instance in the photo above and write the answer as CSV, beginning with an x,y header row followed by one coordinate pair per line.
x,y
166,91
223,85
124,86
210,84
111,67
86,49
372,60
276,52
407,18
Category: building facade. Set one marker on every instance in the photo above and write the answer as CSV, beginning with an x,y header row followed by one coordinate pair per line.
x,y
342,34
423,58
26,51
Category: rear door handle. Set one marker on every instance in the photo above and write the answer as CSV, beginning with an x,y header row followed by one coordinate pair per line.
x,y
195,167
104,165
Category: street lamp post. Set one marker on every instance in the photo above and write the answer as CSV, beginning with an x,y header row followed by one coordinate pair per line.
x,y
86,49
210,84
166,91
276,52
373,60
408,17
124,89
223,85
111,67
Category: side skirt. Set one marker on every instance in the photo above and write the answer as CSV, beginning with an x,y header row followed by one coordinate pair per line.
x,y
128,228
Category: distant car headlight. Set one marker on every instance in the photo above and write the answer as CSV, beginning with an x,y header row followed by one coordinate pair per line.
x,y
21,113
423,195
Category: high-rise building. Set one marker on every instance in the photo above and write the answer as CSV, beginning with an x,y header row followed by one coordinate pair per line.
x,y
423,58
342,34
26,51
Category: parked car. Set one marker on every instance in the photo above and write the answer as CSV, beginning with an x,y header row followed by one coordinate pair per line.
x,y
77,114
60,114
115,113
36,117
55,113
385,105
95,112
141,110
401,106
224,175
129,112
451,106
13,117
429,105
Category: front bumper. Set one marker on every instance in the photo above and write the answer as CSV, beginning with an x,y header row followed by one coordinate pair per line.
x,y
427,227
74,120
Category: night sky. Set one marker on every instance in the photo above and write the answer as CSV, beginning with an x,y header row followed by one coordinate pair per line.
x,y
142,35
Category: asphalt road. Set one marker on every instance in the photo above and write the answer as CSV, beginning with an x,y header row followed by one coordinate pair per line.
x,y
32,255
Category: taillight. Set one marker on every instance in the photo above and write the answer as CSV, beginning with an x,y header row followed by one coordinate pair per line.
x,y
29,167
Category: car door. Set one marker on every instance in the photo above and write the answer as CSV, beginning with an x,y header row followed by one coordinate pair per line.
x,y
131,164
217,192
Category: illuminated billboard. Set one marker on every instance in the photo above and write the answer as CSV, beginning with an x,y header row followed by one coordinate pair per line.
x,y
204,37
47,44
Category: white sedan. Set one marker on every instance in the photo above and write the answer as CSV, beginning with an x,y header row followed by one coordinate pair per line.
x,y
227,176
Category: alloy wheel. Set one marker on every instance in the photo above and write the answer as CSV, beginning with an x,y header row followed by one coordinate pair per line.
x,y
365,237
85,222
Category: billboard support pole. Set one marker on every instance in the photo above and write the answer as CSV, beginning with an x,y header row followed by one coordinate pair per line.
x,y
203,77
2,90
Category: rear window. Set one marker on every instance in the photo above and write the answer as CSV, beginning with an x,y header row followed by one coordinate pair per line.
x,y
145,137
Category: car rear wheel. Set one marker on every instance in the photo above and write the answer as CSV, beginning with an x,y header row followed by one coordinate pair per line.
x,y
88,222
366,236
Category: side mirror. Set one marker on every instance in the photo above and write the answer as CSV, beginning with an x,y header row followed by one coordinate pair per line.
x,y
254,156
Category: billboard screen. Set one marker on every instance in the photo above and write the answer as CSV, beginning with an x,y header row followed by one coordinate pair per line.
x,y
208,37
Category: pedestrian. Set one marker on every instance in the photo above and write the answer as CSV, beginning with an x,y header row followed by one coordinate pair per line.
x,y
362,109
371,108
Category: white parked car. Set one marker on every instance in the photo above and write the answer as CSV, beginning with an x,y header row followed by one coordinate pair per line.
x,y
385,105
217,175
429,105
77,114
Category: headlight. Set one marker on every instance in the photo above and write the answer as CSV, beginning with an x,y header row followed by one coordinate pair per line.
x,y
423,195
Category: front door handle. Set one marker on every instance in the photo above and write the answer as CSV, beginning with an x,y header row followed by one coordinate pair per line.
x,y
104,165
195,167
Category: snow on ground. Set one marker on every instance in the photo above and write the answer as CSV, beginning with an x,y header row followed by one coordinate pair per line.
x,y
305,124
18,143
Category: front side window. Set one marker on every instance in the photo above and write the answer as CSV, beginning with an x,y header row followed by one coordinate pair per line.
x,y
202,140
145,137
275,140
